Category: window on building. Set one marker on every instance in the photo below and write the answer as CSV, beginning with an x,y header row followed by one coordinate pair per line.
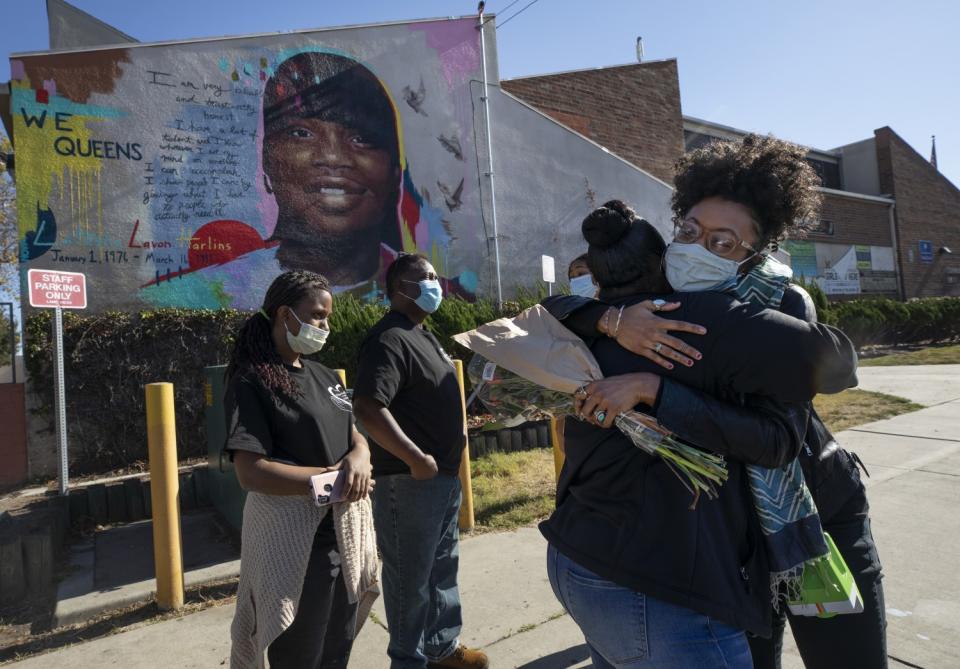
x,y
829,173
822,227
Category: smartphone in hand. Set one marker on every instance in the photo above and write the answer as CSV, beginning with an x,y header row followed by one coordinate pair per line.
x,y
327,488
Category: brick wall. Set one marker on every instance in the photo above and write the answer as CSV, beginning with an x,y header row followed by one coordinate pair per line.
x,y
13,435
632,110
854,221
928,208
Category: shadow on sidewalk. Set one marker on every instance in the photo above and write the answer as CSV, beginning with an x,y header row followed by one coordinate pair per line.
x,y
124,553
560,660
195,599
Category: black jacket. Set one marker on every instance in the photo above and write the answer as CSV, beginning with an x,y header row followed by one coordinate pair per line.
x,y
760,430
623,515
830,471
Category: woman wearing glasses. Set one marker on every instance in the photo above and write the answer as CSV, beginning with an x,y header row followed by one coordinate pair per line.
x,y
732,202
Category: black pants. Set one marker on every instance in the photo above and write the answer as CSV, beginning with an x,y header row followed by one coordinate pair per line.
x,y
841,642
321,635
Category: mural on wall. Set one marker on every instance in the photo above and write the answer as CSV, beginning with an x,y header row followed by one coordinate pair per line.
x,y
192,174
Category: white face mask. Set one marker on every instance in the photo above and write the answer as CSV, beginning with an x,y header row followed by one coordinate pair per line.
x,y
583,286
691,268
310,339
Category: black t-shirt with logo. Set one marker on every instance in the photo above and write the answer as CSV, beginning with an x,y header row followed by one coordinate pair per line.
x,y
312,431
403,367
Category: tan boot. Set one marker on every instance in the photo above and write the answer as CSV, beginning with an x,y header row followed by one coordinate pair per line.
x,y
462,658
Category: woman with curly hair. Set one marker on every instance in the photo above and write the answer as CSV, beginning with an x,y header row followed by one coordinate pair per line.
x,y
732,203
289,420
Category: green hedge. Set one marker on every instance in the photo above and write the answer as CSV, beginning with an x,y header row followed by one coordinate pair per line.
x,y
879,322
870,322
109,357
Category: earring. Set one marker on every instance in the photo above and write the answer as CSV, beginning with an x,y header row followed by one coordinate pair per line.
x,y
267,184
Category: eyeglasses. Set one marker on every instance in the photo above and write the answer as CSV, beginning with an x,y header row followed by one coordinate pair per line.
x,y
723,243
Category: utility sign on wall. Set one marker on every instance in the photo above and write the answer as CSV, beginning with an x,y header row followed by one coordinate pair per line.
x,y
926,251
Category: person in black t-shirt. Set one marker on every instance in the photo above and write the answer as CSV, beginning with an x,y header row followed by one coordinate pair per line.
x,y
408,400
289,419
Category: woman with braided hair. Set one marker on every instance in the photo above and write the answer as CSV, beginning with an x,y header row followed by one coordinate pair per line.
x,y
288,420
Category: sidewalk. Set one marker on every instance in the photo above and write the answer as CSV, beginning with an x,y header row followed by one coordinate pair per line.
x,y
924,384
510,610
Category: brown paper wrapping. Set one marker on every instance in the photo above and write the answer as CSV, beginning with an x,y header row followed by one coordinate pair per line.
x,y
536,346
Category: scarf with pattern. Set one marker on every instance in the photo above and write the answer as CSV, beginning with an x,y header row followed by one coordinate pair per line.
x,y
788,516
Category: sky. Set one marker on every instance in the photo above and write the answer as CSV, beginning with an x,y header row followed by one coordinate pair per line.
x,y
823,73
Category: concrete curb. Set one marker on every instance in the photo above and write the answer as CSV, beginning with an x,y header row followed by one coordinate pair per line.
x,y
73,608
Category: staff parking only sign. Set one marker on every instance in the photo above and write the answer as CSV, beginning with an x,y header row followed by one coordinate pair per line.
x,y
51,289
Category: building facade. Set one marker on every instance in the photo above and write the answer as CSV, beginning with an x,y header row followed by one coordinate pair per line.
x,y
890,223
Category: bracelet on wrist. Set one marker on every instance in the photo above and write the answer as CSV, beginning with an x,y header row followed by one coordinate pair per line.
x,y
616,328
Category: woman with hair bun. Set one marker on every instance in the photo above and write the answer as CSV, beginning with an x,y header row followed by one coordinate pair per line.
x,y
650,580
734,202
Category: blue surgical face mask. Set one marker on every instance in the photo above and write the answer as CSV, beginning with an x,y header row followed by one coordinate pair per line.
x,y
309,340
583,286
691,268
431,295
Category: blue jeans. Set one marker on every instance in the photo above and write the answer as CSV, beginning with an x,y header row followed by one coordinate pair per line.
x,y
625,629
419,543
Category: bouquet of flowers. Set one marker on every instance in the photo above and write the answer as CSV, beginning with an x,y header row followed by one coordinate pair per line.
x,y
533,363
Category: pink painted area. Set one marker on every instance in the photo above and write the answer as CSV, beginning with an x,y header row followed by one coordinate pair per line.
x,y
17,70
50,86
458,45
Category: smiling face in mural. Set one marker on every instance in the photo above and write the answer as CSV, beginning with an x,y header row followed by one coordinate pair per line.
x,y
331,158
329,179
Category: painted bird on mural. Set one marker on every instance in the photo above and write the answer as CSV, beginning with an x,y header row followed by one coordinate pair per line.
x,y
416,98
453,199
451,144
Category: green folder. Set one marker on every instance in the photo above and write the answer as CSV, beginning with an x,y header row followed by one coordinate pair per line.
x,y
828,587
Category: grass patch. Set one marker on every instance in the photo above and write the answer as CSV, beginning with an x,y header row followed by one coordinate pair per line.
x,y
932,355
511,490
857,407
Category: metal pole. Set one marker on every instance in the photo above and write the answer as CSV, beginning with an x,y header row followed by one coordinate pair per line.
x,y
556,440
61,399
493,187
897,256
466,519
164,488
13,342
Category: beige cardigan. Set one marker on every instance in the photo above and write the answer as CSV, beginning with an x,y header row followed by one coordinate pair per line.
x,y
277,539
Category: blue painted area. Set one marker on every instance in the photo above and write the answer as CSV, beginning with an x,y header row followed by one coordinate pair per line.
x,y
25,99
227,183
38,241
469,281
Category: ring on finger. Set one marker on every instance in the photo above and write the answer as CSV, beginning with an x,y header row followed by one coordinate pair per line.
x,y
657,347
600,416
659,304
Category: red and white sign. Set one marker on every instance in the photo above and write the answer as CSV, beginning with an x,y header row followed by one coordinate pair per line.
x,y
49,288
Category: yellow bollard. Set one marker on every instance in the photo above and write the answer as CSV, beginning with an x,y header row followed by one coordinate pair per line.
x,y
556,439
164,487
342,373
466,507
